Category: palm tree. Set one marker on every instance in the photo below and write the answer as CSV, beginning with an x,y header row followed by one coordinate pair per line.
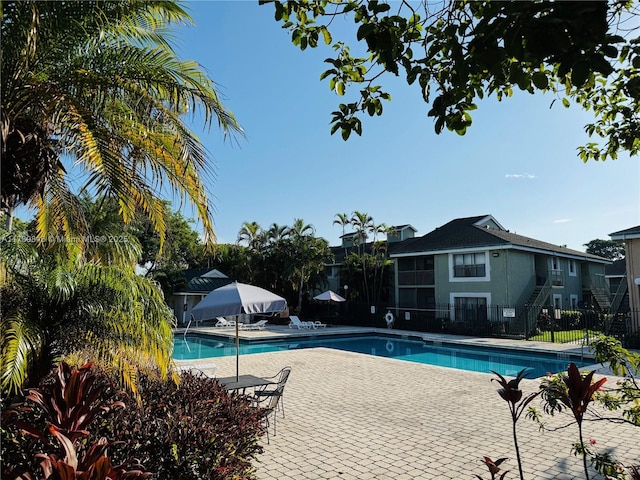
x,y
252,235
343,220
277,232
58,305
99,83
300,229
363,224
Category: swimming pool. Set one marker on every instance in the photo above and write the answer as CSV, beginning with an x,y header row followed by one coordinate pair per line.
x,y
464,357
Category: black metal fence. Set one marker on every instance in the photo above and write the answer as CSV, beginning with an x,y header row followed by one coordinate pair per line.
x,y
531,322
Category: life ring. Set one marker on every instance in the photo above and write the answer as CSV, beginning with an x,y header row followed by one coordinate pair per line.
x,y
389,346
389,318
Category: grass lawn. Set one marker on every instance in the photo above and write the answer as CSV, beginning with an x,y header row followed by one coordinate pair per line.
x,y
565,336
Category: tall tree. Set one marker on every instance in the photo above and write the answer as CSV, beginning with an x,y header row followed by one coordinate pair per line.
x,y
99,83
611,249
459,51
252,235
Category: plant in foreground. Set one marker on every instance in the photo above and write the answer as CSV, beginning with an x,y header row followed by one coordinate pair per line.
x,y
74,401
512,394
494,468
574,392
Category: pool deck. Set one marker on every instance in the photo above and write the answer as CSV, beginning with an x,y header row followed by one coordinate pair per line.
x,y
355,416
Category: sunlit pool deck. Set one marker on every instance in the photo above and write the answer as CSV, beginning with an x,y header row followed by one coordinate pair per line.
x,y
356,416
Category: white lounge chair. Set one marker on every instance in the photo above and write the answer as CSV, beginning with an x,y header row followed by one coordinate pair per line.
x,y
260,325
319,324
223,322
208,369
296,322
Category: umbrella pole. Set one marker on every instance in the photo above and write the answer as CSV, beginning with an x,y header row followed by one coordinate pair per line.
x,y
237,350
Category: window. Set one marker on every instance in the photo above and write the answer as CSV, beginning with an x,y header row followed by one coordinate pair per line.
x,y
469,265
470,309
574,301
555,263
572,268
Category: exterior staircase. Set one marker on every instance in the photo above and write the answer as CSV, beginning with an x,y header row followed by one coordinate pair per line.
x,y
619,296
601,298
526,321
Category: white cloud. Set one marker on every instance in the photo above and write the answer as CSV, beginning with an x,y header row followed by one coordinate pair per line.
x,y
562,220
527,176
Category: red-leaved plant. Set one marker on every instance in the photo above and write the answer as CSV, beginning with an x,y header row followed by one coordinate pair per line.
x,y
72,403
494,468
574,392
512,394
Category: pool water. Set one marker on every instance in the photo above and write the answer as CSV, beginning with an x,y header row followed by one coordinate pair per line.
x,y
463,357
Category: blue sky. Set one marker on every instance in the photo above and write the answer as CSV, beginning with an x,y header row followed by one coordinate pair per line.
x,y
517,162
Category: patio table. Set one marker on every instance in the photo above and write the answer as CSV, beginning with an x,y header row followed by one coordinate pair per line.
x,y
243,382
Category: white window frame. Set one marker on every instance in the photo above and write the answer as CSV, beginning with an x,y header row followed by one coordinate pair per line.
x,y
573,300
557,304
487,268
573,268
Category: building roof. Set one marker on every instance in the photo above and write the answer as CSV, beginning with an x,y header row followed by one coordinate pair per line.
x,y
629,233
206,284
480,232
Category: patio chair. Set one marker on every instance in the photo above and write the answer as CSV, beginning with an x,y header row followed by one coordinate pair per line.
x,y
319,324
296,322
260,325
270,406
280,380
207,369
223,322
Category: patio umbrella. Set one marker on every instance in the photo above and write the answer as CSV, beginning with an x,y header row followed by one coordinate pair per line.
x,y
236,299
330,296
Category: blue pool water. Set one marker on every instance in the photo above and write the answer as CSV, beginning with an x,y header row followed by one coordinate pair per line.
x,y
477,359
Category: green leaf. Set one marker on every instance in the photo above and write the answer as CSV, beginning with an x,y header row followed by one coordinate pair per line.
x,y
540,80
580,72
327,36
340,88
566,103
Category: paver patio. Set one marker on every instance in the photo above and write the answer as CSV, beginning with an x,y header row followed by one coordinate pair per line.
x,y
355,416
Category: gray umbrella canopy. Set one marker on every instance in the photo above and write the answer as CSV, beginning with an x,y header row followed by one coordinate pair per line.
x,y
236,299
329,295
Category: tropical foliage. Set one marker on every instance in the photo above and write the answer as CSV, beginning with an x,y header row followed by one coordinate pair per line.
x,y
54,304
95,88
366,267
289,260
190,430
459,51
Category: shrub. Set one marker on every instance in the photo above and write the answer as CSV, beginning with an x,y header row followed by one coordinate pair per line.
x,y
194,430
69,405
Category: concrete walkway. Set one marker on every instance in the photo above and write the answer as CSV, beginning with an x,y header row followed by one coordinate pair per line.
x,y
355,416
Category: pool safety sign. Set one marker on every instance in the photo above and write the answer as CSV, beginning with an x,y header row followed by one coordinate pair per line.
x,y
509,312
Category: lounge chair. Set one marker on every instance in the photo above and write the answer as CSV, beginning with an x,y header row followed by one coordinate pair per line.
x,y
319,324
223,322
296,322
207,369
260,325
272,398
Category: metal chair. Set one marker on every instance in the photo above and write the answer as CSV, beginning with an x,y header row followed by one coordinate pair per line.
x,y
280,379
270,405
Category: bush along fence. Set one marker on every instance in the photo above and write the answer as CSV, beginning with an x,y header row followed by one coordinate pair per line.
x,y
530,322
